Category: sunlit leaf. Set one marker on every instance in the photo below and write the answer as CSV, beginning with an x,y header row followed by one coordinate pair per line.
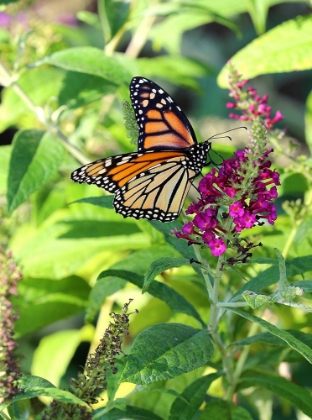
x,y
265,55
35,159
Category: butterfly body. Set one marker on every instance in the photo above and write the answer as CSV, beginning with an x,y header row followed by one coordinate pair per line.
x,y
152,183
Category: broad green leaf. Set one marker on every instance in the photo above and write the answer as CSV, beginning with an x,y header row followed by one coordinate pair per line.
x,y
223,410
186,15
89,60
35,159
33,386
264,55
79,89
192,398
165,351
42,302
159,266
130,413
105,201
292,342
56,250
292,392
174,300
54,353
270,276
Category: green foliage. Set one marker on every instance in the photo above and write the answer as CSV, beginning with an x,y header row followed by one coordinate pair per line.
x,y
265,55
202,332
161,352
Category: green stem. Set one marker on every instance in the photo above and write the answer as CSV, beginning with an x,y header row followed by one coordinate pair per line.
x,y
231,304
204,272
240,365
38,111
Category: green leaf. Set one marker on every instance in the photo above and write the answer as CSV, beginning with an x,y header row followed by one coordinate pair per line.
x,y
265,55
35,159
100,291
165,351
305,285
89,60
33,386
192,398
187,15
42,302
19,410
308,122
130,413
2,2
159,266
297,395
254,300
270,276
57,251
113,15
105,201
79,89
224,410
292,342
304,230
179,245
111,280
54,353
5,155
177,69
273,340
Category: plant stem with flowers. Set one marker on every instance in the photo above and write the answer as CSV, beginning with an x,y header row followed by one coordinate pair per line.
x,y
234,198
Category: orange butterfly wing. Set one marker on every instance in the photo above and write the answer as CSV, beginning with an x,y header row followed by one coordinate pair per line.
x,y
162,124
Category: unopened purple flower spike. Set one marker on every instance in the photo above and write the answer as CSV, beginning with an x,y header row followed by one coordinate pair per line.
x,y
248,102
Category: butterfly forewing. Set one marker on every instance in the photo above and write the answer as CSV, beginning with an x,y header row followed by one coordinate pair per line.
x,y
162,124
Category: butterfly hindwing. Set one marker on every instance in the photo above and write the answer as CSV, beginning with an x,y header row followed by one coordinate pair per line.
x,y
162,123
145,185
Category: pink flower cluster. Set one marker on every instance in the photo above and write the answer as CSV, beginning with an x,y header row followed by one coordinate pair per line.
x,y
231,192
250,104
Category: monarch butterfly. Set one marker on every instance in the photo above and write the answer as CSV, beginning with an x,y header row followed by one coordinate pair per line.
x,y
153,182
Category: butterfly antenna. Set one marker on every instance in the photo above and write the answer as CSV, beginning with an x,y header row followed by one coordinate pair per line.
x,y
221,135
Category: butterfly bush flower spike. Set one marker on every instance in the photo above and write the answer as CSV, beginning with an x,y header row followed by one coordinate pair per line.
x,y
235,197
247,100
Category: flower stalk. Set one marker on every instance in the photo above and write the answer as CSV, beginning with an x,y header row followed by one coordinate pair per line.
x,y
234,197
9,368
